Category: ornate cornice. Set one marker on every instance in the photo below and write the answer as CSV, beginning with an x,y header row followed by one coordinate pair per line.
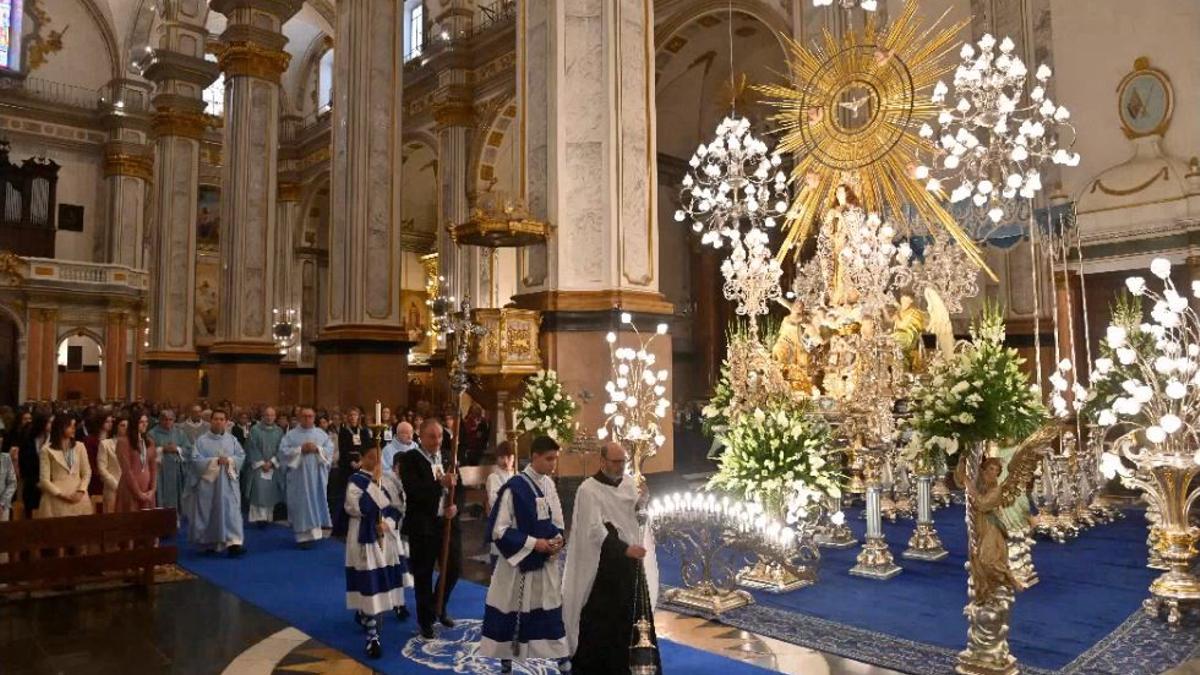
x,y
250,59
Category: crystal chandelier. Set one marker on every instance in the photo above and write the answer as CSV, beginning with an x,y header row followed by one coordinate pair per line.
x,y
866,5
991,142
751,274
732,179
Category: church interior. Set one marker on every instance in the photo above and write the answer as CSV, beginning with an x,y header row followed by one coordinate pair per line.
x,y
829,337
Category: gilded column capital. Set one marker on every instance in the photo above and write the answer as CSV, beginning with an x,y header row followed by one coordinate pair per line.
x,y
177,122
250,59
453,112
288,192
122,159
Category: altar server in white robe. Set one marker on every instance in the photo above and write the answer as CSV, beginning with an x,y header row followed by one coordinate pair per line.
x,y
216,501
523,615
307,453
601,579
376,565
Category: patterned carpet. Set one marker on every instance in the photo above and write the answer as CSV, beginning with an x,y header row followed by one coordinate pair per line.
x,y
1083,617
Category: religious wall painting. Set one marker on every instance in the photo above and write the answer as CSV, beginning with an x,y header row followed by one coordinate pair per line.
x,y
208,217
208,271
40,41
416,312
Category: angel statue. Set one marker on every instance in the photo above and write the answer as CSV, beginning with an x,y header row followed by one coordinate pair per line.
x,y
939,322
991,585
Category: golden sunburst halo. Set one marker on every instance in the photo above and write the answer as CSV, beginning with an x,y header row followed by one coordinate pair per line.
x,y
852,114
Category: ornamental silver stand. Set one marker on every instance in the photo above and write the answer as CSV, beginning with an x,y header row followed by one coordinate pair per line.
x,y
831,534
875,560
925,543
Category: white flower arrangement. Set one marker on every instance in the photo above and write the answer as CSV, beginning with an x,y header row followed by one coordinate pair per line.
x,y
546,408
1157,398
637,395
979,394
778,457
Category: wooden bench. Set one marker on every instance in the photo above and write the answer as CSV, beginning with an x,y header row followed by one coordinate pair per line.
x,y
62,551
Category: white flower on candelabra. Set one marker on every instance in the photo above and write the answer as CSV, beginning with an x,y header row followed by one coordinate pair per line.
x,y
1152,392
732,180
876,264
751,273
993,138
637,394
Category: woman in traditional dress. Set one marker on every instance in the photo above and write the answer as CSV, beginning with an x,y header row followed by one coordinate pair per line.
x,y
376,569
64,473
139,467
108,465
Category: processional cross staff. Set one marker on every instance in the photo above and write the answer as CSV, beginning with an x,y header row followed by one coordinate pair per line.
x,y
464,329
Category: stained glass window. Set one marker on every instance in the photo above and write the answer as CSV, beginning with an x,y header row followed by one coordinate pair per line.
x,y
10,34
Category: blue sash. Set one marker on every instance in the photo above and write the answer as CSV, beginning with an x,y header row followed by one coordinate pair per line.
x,y
525,494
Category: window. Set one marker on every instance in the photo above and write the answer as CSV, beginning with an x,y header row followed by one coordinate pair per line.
x,y
416,30
325,81
214,95
10,34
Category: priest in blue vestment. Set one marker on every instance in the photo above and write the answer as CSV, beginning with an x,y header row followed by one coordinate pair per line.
x,y
174,456
523,615
307,453
216,522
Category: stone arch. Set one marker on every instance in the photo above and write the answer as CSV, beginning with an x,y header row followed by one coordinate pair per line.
x,y
21,353
678,27
487,146
78,330
102,17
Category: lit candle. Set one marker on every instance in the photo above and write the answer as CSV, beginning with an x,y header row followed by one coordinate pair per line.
x,y
378,413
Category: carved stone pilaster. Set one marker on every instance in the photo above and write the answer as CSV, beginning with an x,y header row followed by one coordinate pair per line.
x,y
361,353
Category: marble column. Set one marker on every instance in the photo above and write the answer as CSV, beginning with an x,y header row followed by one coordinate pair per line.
x,y
454,116
115,356
128,170
41,365
362,349
585,92
244,360
180,74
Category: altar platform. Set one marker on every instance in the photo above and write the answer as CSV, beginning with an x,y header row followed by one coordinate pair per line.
x,y
1083,616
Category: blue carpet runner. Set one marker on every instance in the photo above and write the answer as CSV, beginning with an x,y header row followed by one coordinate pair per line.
x,y
307,590
1083,617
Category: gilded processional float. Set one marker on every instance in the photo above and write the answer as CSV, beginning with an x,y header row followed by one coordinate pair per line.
x,y
894,160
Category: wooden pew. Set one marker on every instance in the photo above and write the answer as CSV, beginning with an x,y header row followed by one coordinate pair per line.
x,y
63,551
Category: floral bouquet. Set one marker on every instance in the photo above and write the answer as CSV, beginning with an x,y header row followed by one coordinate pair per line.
x,y
546,408
778,456
977,395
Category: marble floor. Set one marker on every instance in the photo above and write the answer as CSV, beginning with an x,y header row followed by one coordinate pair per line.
x,y
193,627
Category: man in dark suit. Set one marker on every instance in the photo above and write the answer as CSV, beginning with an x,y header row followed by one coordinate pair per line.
x,y
426,484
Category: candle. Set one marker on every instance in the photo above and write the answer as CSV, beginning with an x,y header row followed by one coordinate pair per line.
x,y
378,413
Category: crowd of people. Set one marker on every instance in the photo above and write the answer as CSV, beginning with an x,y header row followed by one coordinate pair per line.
x,y
323,474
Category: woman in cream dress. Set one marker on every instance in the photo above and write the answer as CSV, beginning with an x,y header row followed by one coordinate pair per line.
x,y
109,466
64,473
